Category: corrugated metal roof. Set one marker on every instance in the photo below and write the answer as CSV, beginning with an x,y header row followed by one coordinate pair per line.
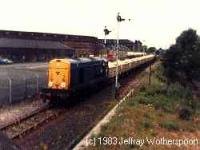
x,y
35,44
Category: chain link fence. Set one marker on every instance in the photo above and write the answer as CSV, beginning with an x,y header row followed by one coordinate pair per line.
x,y
17,85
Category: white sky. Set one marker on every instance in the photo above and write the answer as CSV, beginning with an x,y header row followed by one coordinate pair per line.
x,y
155,22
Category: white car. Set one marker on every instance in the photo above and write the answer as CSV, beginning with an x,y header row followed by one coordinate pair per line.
x,y
5,61
8,61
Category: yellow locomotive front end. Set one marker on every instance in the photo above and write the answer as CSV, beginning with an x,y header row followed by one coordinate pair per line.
x,y
59,71
59,74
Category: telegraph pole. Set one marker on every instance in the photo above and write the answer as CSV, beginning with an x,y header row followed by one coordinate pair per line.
x,y
105,29
106,32
117,59
119,19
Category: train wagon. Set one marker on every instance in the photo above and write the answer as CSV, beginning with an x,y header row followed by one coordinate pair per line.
x,y
127,64
73,76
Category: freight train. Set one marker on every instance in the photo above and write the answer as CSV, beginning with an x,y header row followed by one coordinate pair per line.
x,y
68,77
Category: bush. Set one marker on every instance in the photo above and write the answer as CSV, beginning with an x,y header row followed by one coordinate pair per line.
x,y
132,102
164,103
142,88
170,125
146,123
142,99
177,90
185,113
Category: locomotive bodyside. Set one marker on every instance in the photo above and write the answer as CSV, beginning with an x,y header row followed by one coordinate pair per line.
x,y
88,73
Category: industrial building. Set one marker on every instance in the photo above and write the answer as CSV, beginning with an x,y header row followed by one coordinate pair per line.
x,y
33,46
21,46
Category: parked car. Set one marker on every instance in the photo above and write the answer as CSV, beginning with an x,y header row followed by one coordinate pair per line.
x,y
5,61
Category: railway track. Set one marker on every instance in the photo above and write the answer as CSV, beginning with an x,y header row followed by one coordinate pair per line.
x,y
31,122
24,116
27,121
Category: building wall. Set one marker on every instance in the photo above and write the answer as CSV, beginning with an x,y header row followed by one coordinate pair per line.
x,y
34,55
84,48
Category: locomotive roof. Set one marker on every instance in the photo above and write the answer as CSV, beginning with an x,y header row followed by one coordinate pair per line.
x,y
85,60
80,60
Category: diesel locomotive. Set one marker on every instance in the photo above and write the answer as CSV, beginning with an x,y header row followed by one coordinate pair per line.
x,y
74,76
68,77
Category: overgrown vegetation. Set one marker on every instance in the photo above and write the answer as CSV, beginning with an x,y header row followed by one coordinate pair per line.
x,y
171,98
170,125
164,97
152,112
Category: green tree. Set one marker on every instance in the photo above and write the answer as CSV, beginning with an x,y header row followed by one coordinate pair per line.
x,y
144,48
182,60
151,50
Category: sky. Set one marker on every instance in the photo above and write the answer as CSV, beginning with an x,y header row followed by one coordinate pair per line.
x,y
154,22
